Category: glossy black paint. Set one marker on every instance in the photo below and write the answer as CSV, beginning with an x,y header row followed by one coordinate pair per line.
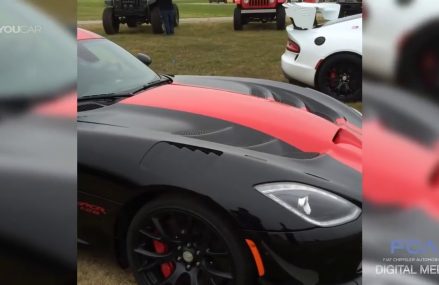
x,y
129,155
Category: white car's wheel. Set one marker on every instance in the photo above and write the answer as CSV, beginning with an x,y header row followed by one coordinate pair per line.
x,y
340,76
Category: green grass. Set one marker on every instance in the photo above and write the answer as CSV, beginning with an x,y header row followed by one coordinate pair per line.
x,y
210,49
92,9
201,10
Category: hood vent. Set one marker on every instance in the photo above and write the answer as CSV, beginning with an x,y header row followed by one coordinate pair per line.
x,y
345,137
89,106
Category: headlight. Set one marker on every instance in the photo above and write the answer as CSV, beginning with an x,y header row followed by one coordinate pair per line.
x,y
246,1
314,205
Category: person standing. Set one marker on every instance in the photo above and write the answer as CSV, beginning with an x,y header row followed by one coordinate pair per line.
x,y
168,15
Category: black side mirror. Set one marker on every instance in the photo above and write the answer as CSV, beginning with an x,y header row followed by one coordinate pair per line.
x,y
146,59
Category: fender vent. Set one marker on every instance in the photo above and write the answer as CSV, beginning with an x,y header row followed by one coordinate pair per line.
x,y
195,148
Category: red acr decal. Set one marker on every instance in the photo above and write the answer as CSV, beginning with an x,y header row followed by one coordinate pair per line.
x,y
295,126
91,209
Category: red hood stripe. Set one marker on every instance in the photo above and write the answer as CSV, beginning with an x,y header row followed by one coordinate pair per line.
x,y
399,171
297,127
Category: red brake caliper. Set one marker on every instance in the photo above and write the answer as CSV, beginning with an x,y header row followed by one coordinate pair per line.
x,y
429,65
167,267
332,77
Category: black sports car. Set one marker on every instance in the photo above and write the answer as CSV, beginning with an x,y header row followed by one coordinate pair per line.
x,y
215,180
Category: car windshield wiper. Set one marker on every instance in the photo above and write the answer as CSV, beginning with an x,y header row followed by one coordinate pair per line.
x,y
126,94
163,79
105,96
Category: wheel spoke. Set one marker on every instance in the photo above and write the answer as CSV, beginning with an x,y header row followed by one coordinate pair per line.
x,y
194,277
217,273
216,253
150,254
160,229
150,235
212,281
148,266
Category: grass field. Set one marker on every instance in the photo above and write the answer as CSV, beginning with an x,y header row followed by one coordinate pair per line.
x,y
209,49
92,9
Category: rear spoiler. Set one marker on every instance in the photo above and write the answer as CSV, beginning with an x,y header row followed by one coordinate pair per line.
x,y
304,14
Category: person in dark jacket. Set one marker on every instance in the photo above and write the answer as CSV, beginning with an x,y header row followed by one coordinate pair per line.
x,y
168,14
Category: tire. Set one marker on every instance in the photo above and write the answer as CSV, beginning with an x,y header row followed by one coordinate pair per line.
x,y
417,68
280,17
177,16
340,76
131,23
237,19
110,23
156,21
173,233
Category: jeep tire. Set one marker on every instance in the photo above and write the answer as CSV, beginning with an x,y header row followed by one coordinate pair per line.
x,y
110,22
156,20
280,17
237,19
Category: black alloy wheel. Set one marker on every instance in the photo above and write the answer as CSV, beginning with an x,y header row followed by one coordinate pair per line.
x,y
340,77
418,66
170,244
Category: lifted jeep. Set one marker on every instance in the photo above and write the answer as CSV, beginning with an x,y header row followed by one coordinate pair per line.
x,y
259,11
133,13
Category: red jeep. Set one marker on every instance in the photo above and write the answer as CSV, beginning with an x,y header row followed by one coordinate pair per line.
x,y
259,11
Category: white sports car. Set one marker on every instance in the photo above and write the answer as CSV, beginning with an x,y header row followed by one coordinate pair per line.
x,y
325,56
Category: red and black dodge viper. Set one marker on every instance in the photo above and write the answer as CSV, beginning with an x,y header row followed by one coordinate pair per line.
x,y
198,180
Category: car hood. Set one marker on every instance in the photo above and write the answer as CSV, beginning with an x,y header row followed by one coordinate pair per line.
x,y
276,118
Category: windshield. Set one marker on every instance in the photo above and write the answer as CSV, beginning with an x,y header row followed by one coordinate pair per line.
x,y
106,68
